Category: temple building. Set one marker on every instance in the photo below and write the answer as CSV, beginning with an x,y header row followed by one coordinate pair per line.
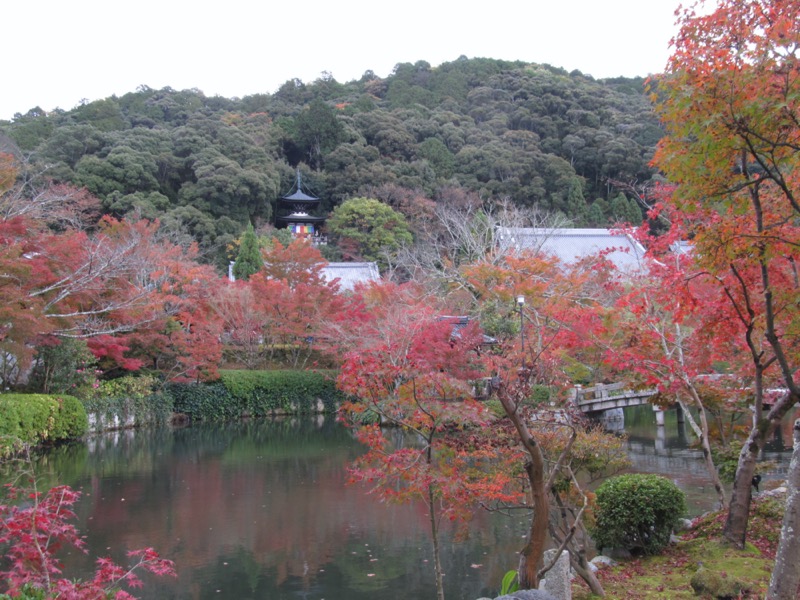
x,y
573,245
350,274
294,212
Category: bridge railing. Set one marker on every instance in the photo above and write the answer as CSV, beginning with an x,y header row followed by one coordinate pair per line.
x,y
601,397
599,391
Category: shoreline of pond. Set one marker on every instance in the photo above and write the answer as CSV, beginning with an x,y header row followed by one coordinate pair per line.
x,y
240,473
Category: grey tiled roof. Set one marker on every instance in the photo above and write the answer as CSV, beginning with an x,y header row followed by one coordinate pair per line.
x,y
351,273
571,245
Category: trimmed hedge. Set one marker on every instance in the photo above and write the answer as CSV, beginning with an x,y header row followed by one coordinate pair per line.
x,y
204,401
256,394
35,418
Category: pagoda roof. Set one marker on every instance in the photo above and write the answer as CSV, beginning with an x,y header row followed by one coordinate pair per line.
x,y
299,195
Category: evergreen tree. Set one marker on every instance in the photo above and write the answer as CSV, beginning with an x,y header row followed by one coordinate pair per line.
x,y
249,260
366,229
619,209
635,216
63,366
597,213
577,210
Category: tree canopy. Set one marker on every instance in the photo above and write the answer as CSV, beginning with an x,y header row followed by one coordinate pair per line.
x,y
370,228
206,166
729,101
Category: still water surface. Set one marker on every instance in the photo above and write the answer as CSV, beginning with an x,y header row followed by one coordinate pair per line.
x,y
672,451
261,510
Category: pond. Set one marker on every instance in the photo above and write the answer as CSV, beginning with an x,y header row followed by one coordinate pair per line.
x,y
261,509
672,451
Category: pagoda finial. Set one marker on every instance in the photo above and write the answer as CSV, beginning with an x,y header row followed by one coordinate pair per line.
x,y
299,180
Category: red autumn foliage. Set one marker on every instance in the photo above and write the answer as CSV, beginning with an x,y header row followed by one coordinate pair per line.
x,y
36,526
416,372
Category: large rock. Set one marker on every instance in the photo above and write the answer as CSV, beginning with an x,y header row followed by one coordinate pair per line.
x,y
557,581
711,583
601,562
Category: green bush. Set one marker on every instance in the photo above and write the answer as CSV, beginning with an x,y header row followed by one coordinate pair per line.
x,y
539,395
203,401
130,398
295,392
495,407
256,394
63,366
35,418
27,593
637,512
727,460
71,420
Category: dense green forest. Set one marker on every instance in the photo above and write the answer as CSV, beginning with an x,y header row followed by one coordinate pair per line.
x,y
472,128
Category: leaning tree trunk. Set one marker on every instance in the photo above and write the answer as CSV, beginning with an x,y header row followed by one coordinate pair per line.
x,y
533,552
785,582
735,530
576,549
584,571
531,556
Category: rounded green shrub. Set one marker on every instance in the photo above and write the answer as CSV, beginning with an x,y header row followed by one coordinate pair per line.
x,y
637,512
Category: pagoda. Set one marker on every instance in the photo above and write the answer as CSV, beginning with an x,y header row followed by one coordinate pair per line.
x,y
294,212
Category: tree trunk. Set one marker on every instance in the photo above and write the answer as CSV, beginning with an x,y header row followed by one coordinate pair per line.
x,y
574,544
437,563
735,529
581,566
785,582
530,559
531,556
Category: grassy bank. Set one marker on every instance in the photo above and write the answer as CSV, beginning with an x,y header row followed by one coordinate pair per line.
x,y
668,576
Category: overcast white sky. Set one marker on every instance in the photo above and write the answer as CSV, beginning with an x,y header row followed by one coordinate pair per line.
x,y
58,52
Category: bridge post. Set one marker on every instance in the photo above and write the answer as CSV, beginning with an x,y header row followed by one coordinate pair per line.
x,y
613,419
681,416
661,437
575,394
659,415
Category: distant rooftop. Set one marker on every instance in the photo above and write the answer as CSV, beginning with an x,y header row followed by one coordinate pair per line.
x,y
572,245
351,273
298,194
301,196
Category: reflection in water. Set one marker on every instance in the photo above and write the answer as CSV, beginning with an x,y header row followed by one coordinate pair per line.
x,y
672,451
261,510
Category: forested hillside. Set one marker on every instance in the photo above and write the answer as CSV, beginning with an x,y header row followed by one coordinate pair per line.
x,y
479,128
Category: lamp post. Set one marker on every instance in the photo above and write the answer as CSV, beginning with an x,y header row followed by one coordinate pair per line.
x,y
520,305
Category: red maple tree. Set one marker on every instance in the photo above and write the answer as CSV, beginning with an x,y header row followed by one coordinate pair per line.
x,y
414,374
